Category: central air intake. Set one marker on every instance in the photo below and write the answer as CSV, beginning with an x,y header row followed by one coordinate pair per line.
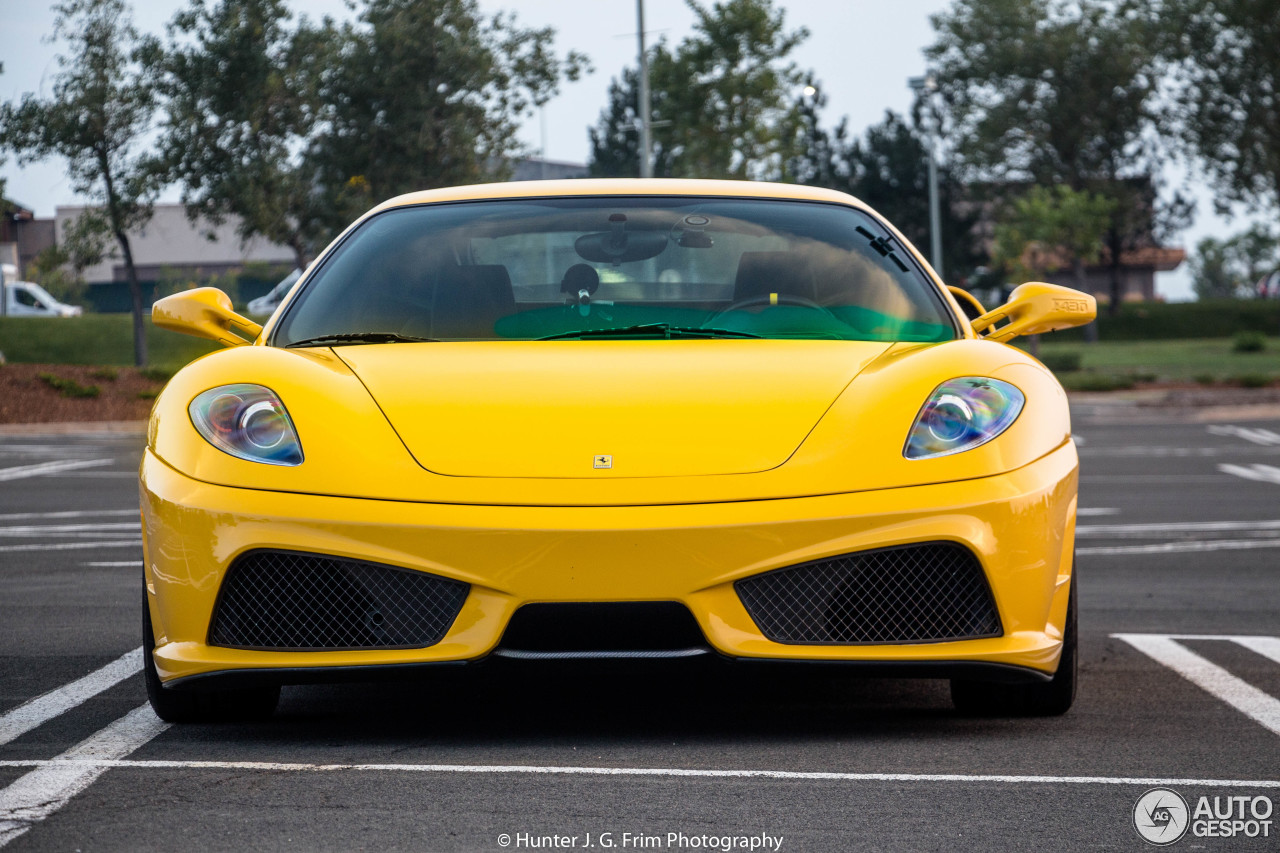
x,y
602,629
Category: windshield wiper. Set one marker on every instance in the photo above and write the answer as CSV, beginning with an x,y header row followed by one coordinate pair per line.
x,y
360,338
662,330
883,245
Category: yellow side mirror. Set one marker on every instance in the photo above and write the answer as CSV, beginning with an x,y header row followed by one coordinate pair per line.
x,y
1035,308
206,313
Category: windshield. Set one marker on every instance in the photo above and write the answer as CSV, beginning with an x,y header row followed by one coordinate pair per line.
x,y
648,267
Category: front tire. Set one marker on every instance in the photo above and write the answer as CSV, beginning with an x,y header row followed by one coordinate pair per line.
x,y
199,706
1048,699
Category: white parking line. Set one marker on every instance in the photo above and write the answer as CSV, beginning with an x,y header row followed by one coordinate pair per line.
x,y
1090,511
71,546
1268,647
33,797
103,564
1188,546
1239,694
42,469
1256,472
1108,531
77,513
40,710
804,775
58,530
1264,437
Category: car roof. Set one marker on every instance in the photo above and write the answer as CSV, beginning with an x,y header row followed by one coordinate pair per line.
x,y
622,187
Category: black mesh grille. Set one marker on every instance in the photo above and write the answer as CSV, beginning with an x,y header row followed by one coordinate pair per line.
x,y
910,594
309,602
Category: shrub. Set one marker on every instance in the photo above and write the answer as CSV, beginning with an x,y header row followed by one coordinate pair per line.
x,y
1253,380
108,373
1205,379
156,374
1249,342
1061,362
69,387
1096,382
148,395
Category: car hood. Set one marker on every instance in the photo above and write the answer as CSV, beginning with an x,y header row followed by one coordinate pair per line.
x,y
550,409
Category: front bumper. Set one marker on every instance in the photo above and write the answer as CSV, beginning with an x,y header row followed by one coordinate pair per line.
x,y
1020,525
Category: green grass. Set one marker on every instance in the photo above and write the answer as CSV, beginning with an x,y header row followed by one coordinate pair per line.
x,y
1204,360
105,339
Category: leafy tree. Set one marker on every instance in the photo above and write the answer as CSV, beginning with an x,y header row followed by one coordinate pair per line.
x,y
723,99
240,92
97,119
1229,269
1049,92
615,140
1050,228
1226,95
59,269
887,168
427,93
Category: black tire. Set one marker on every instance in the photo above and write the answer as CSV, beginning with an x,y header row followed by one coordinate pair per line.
x,y
1047,699
200,706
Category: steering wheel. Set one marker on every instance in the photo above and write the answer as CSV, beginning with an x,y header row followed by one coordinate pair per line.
x,y
771,299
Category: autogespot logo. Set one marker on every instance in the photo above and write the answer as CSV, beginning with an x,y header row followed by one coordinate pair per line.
x,y
1160,816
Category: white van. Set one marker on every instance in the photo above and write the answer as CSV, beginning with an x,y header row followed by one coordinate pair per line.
x,y
28,299
266,305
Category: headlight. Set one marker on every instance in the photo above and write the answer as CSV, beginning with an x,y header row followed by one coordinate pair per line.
x,y
247,421
962,414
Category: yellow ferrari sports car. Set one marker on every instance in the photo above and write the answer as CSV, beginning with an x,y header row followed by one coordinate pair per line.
x,y
612,419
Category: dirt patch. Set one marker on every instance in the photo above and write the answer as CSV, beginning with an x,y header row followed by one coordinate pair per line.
x,y
27,398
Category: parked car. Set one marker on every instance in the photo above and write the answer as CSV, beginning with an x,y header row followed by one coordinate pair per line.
x,y
610,419
28,299
265,305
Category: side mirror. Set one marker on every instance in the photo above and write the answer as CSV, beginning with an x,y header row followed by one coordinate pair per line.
x,y
205,313
1035,308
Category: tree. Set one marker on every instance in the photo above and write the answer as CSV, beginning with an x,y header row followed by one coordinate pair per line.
x,y
240,92
60,268
1050,92
97,119
427,93
1225,66
723,99
1049,228
887,168
1231,268
615,140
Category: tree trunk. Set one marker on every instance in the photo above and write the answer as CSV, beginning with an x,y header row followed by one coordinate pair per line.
x,y
131,272
135,295
1115,245
300,258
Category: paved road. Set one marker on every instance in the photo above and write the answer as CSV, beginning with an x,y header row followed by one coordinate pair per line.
x,y
1180,614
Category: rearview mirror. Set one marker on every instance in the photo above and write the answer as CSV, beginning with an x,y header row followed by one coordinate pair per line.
x,y
205,313
1035,308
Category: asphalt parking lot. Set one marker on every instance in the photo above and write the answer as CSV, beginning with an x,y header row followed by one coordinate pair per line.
x,y
1179,562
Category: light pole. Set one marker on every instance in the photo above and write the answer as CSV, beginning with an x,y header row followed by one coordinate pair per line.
x,y
646,136
925,87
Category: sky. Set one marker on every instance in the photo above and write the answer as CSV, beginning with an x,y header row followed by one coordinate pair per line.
x,y
863,52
